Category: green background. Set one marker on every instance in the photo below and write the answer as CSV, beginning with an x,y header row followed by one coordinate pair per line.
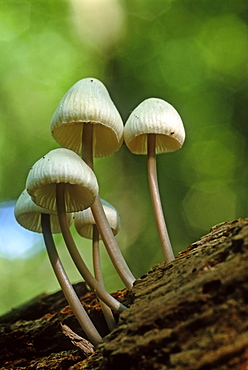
x,y
192,54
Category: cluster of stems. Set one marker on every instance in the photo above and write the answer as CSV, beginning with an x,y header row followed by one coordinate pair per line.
x,y
108,303
101,227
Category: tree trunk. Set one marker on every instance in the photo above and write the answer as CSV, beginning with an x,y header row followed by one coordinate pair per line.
x,y
189,314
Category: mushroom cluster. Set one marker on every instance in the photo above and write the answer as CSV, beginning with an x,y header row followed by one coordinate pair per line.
x,y
62,186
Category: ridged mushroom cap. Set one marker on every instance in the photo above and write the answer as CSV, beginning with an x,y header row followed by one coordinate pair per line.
x,y
88,101
28,215
84,220
62,166
154,116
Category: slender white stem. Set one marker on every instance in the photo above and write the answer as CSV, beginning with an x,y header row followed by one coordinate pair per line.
x,y
100,217
81,266
156,201
109,317
111,244
65,284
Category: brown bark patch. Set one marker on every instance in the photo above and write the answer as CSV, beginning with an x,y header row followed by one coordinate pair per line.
x,y
189,314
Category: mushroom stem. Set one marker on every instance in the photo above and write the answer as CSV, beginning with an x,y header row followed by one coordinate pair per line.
x,y
156,201
111,244
98,275
96,255
65,284
100,217
81,266
87,144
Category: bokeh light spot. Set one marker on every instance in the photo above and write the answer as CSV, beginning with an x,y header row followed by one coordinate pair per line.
x,y
226,39
207,206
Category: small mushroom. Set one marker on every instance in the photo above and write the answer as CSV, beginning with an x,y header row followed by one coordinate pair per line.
x,y
28,215
86,227
154,127
84,220
38,219
61,181
88,122
62,166
88,102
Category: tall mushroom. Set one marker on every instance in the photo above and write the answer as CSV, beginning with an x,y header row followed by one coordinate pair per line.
x,y
86,227
61,181
154,127
88,122
38,219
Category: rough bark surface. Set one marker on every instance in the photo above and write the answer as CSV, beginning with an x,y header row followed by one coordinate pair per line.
x,y
189,314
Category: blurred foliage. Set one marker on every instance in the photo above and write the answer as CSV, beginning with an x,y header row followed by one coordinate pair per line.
x,y
191,53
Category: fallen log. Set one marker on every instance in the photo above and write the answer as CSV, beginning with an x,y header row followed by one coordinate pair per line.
x,y
189,314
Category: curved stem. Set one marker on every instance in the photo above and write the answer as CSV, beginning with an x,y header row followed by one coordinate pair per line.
x,y
111,244
156,201
65,284
98,275
100,217
96,255
81,266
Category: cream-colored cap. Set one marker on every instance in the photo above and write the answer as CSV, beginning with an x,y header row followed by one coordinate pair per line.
x,y
88,101
28,215
154,116
84,220
62,166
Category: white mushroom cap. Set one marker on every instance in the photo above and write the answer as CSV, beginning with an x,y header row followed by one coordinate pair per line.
x,y
28,215
88,101
154,116
62,166
84,220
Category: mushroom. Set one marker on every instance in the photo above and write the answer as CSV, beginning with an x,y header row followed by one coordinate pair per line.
x,y
88,101
38,219
88,122
84,220
154,127
61,181
28,215
86,227
62,166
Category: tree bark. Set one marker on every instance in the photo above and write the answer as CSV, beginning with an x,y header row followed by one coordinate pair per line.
x,y
189,314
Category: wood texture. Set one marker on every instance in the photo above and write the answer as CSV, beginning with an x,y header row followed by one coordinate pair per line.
x,y
189,314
